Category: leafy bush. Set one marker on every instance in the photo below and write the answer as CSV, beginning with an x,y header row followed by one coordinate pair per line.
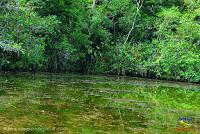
x,y
160,40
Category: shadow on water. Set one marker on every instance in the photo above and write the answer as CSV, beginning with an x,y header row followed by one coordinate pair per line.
x,y
34,104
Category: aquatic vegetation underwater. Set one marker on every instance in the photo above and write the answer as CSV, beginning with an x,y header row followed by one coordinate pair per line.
x,y
48,104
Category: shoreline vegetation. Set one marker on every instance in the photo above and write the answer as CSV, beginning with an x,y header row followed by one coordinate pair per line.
x,y
142,38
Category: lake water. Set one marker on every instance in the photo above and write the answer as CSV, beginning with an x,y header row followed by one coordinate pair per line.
x,y
73,104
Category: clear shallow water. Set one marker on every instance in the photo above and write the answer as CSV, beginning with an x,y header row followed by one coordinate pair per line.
x,y
70,104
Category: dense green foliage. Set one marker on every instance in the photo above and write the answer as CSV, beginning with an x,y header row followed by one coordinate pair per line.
x,y
150,38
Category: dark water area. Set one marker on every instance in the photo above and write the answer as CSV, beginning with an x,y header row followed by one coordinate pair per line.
x,y
86,104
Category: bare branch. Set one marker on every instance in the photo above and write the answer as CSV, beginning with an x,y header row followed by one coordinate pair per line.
x,y
139,6
94,3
